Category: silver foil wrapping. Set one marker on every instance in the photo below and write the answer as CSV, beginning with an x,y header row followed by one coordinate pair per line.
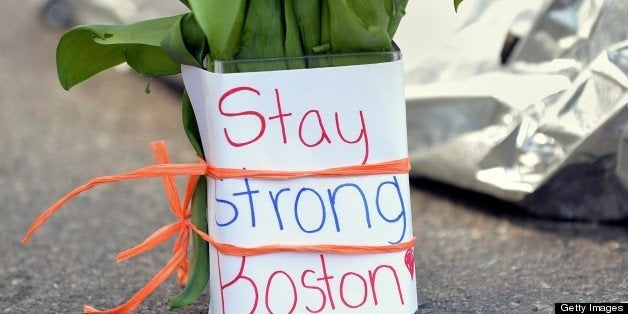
x,y
548,130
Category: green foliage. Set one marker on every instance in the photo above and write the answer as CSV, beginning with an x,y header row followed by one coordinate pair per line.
x,y
199,264
185,2
396,11
85,51
190,125
222,23
185,42
292,44
308,17
359,26
456,4
263,35
234,29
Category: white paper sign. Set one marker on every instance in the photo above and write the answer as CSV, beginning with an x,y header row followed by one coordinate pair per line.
x,y
307,120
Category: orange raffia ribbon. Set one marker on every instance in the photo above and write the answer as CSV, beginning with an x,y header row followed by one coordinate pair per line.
x,y
183,226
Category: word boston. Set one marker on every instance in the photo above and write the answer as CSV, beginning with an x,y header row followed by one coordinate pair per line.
x,y
307,120
315,283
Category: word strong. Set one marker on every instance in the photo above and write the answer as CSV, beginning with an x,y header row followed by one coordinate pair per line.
x,y
310,128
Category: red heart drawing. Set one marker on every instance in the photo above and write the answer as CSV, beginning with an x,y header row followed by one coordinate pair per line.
x,y
409,260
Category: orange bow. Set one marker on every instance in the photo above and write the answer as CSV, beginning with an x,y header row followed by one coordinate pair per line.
x,y
181,228
182,211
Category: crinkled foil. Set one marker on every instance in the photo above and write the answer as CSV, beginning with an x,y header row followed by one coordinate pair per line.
x,y
548,131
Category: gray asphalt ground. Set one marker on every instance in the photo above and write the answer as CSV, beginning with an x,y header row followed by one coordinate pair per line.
x,y
474,254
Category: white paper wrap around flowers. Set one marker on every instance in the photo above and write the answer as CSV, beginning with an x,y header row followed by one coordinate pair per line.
x,y
297,120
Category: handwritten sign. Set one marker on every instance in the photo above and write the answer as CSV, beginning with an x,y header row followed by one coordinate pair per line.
x,y
307,120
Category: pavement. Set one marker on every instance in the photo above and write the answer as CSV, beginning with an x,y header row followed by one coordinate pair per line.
x,y
474,253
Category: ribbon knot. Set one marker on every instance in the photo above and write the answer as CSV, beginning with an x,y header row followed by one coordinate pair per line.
x,y
183,227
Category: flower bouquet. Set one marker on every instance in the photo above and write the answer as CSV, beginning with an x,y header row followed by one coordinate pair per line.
x,y
296,111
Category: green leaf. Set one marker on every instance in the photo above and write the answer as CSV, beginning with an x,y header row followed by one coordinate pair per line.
x,y
85,51
308,15
79,57
456,4
222,23
150,60
325,23
199,263
325,38
185,2
359,26
263,36
193,37
398,10
190,126
185,42
292,45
